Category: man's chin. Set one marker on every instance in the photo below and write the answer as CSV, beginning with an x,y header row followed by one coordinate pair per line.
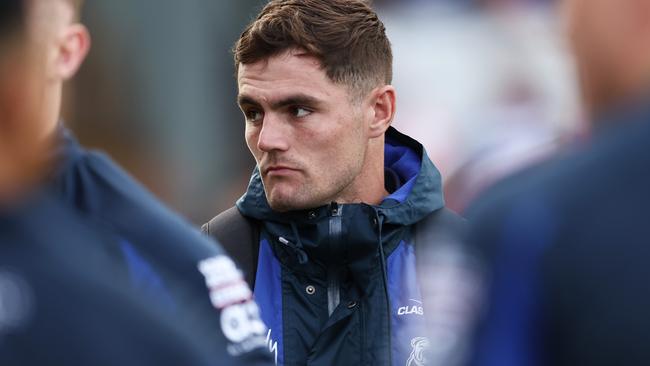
x,y
286,202
283,205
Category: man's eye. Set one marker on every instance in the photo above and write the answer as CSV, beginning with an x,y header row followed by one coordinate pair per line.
x,y
253,115
300,112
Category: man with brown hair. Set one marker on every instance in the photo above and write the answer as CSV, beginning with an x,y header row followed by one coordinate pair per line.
x,y
327,229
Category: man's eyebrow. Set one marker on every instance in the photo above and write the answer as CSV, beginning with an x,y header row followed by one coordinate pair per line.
x,y
246,100
297,99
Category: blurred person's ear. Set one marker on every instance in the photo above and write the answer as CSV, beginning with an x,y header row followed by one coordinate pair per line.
x,y
72,50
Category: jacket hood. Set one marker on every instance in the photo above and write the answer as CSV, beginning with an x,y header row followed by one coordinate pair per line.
x,y
413,181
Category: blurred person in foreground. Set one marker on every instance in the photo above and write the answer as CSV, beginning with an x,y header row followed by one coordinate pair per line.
x,y
328,229
63,300
567,243
167,261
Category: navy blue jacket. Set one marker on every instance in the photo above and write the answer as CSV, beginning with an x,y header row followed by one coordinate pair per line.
x,y
338,284
63,300
568,248
166,259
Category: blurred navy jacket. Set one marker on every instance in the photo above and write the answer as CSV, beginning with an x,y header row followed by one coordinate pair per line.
x,y
62,301
568,245
167,260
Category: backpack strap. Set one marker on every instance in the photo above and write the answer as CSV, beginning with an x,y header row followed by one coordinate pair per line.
x,y
240,237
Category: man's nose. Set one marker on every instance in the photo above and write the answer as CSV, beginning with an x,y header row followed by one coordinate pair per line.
x,y
274,134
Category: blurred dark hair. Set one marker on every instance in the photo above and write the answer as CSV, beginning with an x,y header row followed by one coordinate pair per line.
x,y
11,16
345,35
78,5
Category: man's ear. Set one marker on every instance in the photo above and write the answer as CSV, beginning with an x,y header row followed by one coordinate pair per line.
x,y
73,48
382,103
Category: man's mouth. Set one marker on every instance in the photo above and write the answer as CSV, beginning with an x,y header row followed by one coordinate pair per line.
x,y
278,170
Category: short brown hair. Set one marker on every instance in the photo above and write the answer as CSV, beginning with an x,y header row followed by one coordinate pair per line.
x,y
346,36
78,6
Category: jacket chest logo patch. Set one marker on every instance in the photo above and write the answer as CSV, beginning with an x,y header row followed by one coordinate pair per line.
x,y
415,308
408,310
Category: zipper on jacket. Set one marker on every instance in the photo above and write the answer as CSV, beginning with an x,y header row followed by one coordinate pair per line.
x,y
301,255
333,272
382,258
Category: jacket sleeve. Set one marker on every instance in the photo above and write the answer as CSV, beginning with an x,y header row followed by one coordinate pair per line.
x,y
204,283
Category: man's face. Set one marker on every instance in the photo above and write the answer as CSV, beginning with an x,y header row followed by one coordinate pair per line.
x,y
308,137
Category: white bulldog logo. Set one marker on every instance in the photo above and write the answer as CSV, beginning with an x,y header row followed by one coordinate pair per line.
x,y
419,344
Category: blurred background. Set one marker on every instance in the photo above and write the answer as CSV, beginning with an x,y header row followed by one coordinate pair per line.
x,y
486,86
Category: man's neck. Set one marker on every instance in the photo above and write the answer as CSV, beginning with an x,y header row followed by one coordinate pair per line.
x,y
371,198
369,186
51,110
49,130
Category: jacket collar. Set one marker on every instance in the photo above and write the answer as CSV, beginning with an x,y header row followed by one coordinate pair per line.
x,y
418,188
